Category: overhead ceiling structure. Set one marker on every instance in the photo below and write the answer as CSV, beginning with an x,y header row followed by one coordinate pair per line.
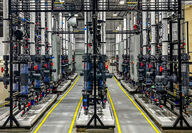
x,y
113,19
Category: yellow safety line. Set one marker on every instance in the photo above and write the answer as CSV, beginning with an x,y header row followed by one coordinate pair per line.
x,y
156,130
2,105
115,114
55,106
131,2
75,115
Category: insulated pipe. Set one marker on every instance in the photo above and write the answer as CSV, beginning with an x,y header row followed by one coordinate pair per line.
x,y
49,26
153,28
6,27
67,38
64,36
144,22
32,29
128,36
124,35
70,52
164,32
73,44
60,16
117,42
121,49
132,45
60,25
42,28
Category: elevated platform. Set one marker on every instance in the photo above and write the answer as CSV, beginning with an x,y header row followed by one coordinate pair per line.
x,y
106,116
73,77
128,87
118,77
33,115
163,117
64,85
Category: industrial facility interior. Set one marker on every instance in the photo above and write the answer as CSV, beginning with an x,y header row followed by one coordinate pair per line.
x,y
96,66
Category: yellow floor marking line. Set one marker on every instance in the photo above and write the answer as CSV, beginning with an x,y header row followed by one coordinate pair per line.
x,y
2,105
156,130
114,111
75,115
55,106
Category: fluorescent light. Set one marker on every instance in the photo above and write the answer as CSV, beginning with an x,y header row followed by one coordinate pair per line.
x,y
114,14
121,2
76,15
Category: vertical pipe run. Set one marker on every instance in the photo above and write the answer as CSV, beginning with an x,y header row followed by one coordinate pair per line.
x,y
32,28
104,29
42,28
153,28
49,26
128,36
124,35
70,54
117,43
64,36
144,30
164,33
60,25
86,18
6,27
121,49
67,38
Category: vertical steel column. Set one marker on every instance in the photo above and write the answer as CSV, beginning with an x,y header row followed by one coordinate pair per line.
x,y
8,16
181,118
104,29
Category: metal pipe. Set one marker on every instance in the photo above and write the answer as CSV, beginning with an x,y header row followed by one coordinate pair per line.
x,y
70,54
6,27
128,36
124,35
43,28
32,30
164,33
67,38
49,26
153,28
117,42
64,36
121,48
144,30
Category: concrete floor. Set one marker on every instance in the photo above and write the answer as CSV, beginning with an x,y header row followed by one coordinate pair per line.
x,y
60,119
130,118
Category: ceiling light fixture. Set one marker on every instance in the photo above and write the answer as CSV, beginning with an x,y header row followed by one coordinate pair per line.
x,y
114,14
121,2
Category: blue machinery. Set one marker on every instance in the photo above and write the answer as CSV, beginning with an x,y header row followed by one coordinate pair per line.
x,y
102,75
161,78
